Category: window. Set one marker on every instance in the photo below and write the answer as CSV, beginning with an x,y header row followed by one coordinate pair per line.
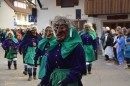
x,y
25,18
20,5
24,6
15,4
127,25
67,3
18,16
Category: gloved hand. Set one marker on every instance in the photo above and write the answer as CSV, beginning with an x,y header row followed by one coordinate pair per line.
x,y
5,50
63,82
104,47
35,63
41,84
50,83
20,51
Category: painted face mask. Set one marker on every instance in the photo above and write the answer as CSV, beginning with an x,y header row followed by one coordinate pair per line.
x,y
61,29
48,32
87,28
10,36
34,31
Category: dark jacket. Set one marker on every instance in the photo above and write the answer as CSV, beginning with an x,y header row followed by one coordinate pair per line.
x,y
109,41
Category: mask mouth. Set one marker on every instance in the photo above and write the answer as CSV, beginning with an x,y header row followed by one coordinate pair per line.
x,y
60,36
49,35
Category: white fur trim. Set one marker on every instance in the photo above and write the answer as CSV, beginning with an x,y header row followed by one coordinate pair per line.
x,y
107,28
33,26
10,32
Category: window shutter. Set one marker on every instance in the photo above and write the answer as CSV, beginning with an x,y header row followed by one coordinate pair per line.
x,y
58,2
76,2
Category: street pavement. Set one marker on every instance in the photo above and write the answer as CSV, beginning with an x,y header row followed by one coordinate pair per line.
x,y
103,74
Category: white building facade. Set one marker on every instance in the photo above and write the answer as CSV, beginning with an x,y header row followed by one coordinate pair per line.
x,y
14,12
44,17
6,15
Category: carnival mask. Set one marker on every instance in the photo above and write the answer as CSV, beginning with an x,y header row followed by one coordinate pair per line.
x,y
34,31
48,32
61,29
10,36
87,28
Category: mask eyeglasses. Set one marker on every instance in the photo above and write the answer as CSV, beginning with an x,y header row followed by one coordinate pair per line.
x,y
86,27
48,31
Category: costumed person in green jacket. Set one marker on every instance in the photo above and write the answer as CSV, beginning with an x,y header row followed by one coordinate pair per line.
x,y
90,44
30,40
2,36
42,51
23,49
10,45
65,64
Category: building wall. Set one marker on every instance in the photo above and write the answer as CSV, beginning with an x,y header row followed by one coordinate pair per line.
x,y
21,21
6,16
45,16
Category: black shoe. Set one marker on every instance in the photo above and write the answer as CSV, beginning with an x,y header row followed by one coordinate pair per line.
x,y
15,66
89,72
34,77
30,78
25,72
9,68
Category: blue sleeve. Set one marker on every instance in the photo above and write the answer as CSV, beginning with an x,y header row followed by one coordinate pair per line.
x,y
78,66
119,41
94,44
21,44
127,49
4,45
38,53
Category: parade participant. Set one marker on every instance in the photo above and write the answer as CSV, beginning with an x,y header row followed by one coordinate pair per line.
x,y
42,50
18,35
115,45
102,39
109,45
96,51
127,52
10,46
66,58
120,49
2,36
30,40
23,48
90,44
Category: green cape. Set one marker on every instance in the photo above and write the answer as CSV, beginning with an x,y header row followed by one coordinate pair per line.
x,y
43,42
69,43
13,38
1,31
91,32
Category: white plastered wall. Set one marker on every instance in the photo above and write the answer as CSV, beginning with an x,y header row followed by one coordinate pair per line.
x,y
6,16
